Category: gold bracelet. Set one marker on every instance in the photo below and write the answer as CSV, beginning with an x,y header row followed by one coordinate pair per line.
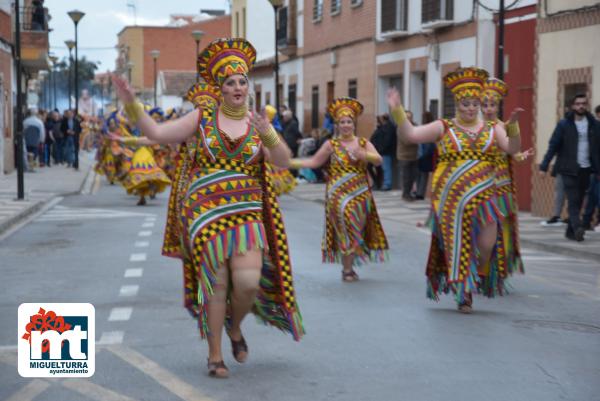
x,y
372,157
295,164
134,111
399,115
519,157
270,138
512,130
130,141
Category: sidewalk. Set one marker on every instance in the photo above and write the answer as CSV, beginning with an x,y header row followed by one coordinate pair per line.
x,y
41,187
532,233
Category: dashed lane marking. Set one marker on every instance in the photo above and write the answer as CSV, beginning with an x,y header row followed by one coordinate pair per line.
x,y
136,272
145,233
129,290
142,244
149,224
137,257
120,314
111,338
94,391
30,391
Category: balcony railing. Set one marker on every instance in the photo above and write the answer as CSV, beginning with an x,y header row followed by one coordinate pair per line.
x,y
34,19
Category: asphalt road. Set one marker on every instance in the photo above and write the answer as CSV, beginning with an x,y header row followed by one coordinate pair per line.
x,y
377,339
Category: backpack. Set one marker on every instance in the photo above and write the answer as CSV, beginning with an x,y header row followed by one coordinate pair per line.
x,y
32,135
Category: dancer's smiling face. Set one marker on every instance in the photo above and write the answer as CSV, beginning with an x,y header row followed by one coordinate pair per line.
x,y
468,108
235,90
489,108
346,126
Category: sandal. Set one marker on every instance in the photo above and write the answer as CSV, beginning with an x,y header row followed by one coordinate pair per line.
x,y
349,276
466,306
239,349
217,369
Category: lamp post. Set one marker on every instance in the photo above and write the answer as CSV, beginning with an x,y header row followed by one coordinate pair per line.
x,y
70,44
76,16
19,112
155,54
197,35
53,59
276,6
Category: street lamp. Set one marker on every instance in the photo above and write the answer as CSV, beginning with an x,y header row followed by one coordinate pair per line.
x,y
53,60
70,44
76,16
155,54
197,35
277,4
19,112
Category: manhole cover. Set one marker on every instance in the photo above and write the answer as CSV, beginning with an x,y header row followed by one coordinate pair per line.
x,y
551,324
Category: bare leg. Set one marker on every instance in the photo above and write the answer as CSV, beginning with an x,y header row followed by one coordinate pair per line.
x,y
485,243
217,306
348,273
245,276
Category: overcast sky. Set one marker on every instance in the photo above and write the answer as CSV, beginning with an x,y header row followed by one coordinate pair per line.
x,y
97,32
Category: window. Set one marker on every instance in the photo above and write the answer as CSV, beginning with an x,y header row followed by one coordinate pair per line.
x,y
434,10
282,26
292,97
244,22
394,15
330,91
258,100
315,107
353,88
336,7
279,94
317,10
356,3
237,24
449,110
267,98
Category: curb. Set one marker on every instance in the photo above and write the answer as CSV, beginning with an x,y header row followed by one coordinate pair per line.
x,y
23,215
537,245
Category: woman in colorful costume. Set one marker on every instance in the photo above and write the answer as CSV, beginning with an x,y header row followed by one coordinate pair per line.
x,y
143,177
233,229
494,90
204,97
108,154
465,254
283,181
353,231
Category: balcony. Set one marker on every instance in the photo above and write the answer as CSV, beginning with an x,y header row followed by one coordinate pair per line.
x,y
34,39
286,29
436,14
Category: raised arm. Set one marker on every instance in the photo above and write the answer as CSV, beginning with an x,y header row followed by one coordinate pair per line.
x,y
422,134
368,154
276,150
318,159
169,132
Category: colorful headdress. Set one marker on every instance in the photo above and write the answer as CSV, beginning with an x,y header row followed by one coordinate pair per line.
x,y
345,107
171,113
466,82
223,58
494,88
203,95
157,114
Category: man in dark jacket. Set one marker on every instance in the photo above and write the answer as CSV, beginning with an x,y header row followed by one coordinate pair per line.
x,y
291,133
576,145
384,141
71,129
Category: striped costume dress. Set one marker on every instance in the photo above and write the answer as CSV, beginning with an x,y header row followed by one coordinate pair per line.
x,y
106,163
352,225
464,199
507,202
144,176
229,208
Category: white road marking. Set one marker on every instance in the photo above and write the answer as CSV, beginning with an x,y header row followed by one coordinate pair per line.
x,y
94,391
129,290
137,272
29,391
111,338
151,218
142,244
137,257
120,314
148,224
145,233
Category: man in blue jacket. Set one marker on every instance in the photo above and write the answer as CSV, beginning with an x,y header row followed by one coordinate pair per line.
x,y
576,145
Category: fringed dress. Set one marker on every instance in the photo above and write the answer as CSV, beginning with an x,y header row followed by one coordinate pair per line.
x,y
144,176
352,225
106,163
464,199
230,208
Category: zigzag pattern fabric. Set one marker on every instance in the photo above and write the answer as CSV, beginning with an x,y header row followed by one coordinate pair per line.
x,y
352,224
230,208
283,181
145,177
106,163
464,199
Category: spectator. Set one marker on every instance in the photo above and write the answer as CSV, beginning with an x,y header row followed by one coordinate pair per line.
x,y
291,133
597,112
407,157
34,134
328,124
49,143
71,129
576,144
425,159
38,16
59,138
384,140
